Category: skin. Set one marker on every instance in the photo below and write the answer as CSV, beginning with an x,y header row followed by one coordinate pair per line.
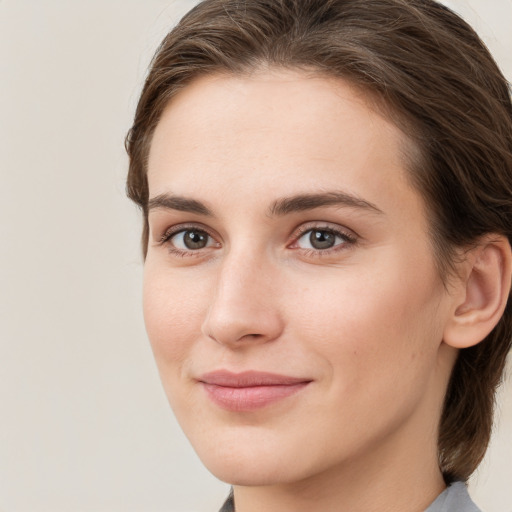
x,y
363,321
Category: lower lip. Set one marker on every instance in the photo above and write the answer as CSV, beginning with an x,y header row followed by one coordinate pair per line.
x,y
250,398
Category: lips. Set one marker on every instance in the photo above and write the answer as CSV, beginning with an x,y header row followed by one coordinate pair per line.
x,y
249,391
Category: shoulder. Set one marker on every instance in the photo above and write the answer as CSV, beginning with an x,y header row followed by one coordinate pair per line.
x,y
229,505
454,498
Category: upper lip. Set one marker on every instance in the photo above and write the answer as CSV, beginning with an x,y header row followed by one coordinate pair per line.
x,y
249,378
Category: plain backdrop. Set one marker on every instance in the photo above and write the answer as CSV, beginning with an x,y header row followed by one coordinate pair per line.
x,y
84,424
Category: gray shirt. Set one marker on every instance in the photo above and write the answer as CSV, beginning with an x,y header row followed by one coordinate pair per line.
x,y
455,498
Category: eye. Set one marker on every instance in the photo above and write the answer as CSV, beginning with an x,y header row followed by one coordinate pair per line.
x,y
322,239
189,240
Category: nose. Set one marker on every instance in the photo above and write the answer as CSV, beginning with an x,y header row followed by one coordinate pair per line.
x,y
244,307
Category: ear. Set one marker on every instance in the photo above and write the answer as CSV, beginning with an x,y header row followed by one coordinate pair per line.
x,y
482,293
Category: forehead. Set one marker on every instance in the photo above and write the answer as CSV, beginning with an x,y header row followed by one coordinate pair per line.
x,y
292,104
309,131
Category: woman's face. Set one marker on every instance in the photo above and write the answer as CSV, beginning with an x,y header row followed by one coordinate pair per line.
x,y
290,290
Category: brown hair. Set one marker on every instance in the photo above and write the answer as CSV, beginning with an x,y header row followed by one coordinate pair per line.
x,y
434,75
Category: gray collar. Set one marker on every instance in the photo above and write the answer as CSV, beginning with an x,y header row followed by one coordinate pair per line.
x,y
454,498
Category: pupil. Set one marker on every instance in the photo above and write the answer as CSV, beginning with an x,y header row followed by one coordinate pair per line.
x,y
195,239
322,239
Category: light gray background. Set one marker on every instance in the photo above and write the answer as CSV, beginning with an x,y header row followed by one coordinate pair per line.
x,y
84,424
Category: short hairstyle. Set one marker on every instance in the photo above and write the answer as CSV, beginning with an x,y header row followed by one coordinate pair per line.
x,y
435,79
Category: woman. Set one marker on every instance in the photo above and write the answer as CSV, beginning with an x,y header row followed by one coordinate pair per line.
x,y
326,189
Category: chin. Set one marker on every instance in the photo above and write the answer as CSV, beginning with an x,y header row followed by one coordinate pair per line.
x,y
256,463
250,474
245,477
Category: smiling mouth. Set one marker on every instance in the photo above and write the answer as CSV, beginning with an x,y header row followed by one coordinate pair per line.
x,y
249,391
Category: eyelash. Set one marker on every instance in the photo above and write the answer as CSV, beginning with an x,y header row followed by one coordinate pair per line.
x,y
182,228
348,239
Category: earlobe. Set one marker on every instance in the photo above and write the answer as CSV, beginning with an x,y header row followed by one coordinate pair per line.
x,y
484,292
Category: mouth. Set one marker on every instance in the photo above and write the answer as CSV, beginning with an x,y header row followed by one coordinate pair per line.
x,y
249,391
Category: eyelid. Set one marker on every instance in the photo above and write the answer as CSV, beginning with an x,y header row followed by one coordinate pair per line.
x,y
177,228
166,241
324,225
347,234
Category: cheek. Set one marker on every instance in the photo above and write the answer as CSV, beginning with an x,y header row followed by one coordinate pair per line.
x,y
378,325
173,311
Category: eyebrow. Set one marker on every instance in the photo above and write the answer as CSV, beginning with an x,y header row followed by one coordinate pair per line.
x,y
180,203
283,206
303,202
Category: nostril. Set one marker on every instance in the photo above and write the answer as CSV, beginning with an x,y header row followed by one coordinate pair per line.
x,y
251,336
235,339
